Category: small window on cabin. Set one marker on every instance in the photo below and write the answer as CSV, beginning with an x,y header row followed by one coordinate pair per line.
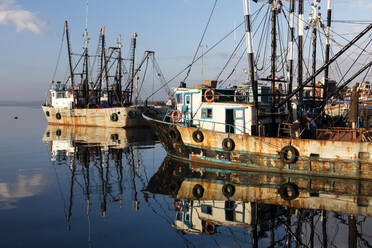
x,y
53,94
239,114
206,113
206,209
179,98
60,94
187,99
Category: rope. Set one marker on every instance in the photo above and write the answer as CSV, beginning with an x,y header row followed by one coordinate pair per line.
x,y
211,48
59,54
201,40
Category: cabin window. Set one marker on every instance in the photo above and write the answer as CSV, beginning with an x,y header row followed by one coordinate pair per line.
x,y
187,99
206,209
206,113
179,98
60,94
239,114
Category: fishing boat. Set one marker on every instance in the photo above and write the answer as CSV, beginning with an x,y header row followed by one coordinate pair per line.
x,y
278,127
104,101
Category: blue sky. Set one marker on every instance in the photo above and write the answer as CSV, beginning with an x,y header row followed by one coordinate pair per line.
x,y
30,35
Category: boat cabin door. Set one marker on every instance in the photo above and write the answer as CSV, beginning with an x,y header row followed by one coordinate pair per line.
x,y
187,108
235,121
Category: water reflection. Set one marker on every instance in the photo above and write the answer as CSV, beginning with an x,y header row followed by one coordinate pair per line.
x,y
261,209
97,164
24,186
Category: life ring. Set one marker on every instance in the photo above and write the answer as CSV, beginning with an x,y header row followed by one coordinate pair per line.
x,y
174,134
176,116
228,190
209,95
198,191
197,136
240,95
58,116
114,117
132,114
288,191
289,154
209,227
177,205
228,144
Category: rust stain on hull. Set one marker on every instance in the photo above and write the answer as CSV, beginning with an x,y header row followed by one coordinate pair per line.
x,y
101,117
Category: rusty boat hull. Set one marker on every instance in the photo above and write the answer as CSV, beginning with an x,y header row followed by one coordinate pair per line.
x,y
113,117
344,159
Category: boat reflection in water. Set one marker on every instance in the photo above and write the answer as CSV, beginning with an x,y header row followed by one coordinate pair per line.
x,y
266,209
97,162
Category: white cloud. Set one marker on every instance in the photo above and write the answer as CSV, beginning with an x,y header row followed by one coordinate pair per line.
x,y
11,12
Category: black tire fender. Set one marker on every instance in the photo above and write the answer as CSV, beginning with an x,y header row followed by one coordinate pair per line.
x,y
198,191
228,190
288,191
114,117
174,134
197,136
228,144
289,154
132,114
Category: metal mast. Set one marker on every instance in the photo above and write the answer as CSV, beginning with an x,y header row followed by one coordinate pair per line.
x,y
70,62
274,12
86,65
300,50
119,76
327,49
247,17
291,52
315,19
132,66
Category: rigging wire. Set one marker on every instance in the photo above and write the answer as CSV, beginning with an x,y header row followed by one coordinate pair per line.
x,y
197,59
59,54
201,40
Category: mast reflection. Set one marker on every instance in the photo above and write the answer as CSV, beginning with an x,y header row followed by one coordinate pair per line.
x,y
100,162
263,209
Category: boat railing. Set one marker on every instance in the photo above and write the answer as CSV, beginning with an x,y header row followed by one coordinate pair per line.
x,y
202,124
339,134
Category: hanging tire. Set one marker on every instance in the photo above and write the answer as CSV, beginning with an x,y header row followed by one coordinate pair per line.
x,y
198,136
114,117
288,191
132,114
58,132
58,116
228,144
174,134
198,191
228,190
289,154
114,137
209,227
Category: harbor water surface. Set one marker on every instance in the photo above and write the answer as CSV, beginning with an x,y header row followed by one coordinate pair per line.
x,y
118,189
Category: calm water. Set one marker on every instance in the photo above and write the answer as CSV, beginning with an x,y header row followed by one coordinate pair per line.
x,y
65,187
